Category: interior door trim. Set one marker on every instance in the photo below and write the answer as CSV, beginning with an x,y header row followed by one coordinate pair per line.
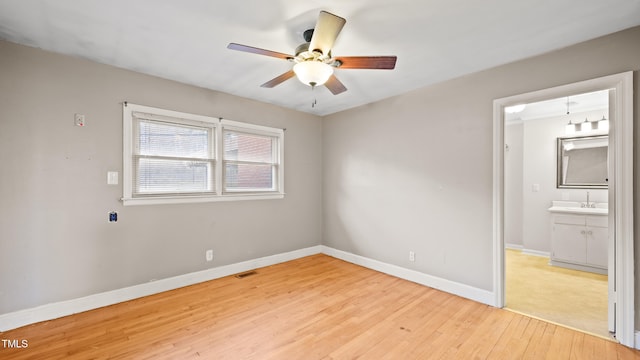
x,y
621,186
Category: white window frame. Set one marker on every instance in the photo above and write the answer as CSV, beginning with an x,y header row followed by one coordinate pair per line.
x,y
218,125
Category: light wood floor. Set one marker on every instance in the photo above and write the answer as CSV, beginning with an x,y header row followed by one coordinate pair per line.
x,y
573,298
317,307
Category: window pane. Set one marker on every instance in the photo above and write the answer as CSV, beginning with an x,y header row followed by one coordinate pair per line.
x,y
173,176
248,147
248,177
159,139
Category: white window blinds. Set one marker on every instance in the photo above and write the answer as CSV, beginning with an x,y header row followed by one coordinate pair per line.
x,y
175,157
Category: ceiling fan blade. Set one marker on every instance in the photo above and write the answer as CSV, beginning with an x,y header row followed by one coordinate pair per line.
x,y
255,50
367,62
334,85
279,79
326,31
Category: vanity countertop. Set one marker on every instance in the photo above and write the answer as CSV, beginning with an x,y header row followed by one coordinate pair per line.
x,y
574,207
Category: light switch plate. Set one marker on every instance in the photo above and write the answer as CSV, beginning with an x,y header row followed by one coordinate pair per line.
x,y
112,178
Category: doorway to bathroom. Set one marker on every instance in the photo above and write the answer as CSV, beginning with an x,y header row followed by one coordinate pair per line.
x,y
555,178
616,200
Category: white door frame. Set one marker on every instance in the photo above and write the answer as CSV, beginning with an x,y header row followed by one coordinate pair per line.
x,y
620,189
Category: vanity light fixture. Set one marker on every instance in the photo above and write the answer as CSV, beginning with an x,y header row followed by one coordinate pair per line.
x,y
601,125
570,128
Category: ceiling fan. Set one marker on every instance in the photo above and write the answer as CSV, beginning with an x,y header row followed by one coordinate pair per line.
x,y
314,63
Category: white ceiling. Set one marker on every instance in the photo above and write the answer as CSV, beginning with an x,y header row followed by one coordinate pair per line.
x,y
435,40
578,103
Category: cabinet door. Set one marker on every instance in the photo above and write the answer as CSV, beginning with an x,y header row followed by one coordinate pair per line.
x,y
597,246
569,243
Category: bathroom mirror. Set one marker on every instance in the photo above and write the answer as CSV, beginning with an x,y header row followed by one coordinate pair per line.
x,y
582,162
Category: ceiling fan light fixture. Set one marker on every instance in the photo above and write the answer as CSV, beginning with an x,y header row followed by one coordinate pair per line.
x,y
313,73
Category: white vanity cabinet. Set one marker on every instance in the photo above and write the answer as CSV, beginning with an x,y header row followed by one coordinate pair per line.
x,y
580,241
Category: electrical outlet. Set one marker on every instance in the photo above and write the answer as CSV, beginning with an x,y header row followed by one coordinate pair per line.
x,y
209,255
412,256
78,119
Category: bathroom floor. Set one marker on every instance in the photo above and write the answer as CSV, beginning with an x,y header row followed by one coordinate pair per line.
x,y
576,299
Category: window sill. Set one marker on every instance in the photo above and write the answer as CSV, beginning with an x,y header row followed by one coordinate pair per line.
x,y
199,199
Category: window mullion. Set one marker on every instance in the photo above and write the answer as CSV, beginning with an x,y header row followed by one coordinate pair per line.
x,y
219,170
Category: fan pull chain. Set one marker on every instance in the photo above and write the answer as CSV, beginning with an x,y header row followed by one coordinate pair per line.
x,y
315,101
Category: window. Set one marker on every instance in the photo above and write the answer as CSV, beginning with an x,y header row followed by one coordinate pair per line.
x,y
172,157
250,161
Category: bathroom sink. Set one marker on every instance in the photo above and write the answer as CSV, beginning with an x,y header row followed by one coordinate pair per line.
x,y
571,207
579,210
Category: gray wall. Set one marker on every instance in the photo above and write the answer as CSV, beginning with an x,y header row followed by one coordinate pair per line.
x,y
414,172
55,241
540,168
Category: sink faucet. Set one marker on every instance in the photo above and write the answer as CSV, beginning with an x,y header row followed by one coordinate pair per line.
x,y
588,200
588,204
585,205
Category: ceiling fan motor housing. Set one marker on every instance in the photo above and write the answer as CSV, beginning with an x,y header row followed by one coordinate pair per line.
x,y
307,35
304,54
302,48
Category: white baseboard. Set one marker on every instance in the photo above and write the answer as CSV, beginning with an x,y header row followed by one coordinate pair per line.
x,y
51,311
466,291
536,252
527,251
638,340
513,246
